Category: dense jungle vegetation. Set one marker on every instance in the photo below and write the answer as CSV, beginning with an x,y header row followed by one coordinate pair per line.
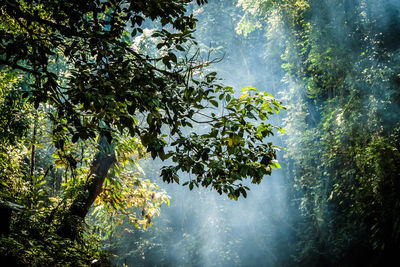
x,y
108,107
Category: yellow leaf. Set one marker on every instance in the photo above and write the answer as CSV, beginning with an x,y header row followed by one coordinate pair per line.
x,y
244,95
97,201
230,141
59,163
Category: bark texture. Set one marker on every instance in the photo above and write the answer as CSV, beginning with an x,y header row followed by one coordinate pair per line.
x,y
78,210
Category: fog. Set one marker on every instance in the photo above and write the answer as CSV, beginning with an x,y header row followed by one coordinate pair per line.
x,y
203,228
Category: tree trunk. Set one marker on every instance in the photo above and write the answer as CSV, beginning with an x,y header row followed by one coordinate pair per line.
x,y
103,161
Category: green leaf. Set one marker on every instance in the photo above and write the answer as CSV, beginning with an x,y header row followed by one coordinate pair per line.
x,y
172,57
228,98
214,103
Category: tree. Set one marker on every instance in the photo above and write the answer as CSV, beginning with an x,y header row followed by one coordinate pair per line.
x,y
81,62
342,64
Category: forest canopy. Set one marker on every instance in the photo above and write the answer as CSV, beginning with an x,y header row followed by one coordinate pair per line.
x,y
81,104
101,102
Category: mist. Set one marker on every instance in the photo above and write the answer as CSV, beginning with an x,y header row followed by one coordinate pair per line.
x,y
201,227
283,217
105,104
